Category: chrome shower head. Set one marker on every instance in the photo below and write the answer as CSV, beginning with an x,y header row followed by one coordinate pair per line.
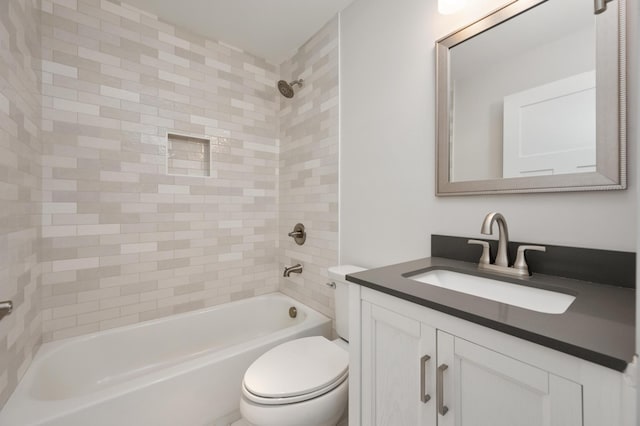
x,y
286,89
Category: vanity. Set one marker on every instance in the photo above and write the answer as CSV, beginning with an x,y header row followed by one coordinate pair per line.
x,y
424,354
475,340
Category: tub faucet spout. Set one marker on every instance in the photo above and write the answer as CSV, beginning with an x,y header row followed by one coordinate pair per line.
x,y
296,269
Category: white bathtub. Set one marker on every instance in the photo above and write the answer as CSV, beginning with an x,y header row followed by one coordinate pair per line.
x,y
183,370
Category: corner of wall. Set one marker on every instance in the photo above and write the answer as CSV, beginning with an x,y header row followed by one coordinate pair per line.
x,y
308,168
21,192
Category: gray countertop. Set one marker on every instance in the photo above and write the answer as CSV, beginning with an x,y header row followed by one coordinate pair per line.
x,y
599,326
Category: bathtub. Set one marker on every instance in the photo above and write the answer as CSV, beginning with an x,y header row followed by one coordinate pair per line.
x,y
183,370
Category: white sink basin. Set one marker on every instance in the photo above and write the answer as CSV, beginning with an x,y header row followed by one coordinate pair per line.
x,y
535,299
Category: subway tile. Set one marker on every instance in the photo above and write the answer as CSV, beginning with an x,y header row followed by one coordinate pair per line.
x,y
173,59
58,231
180,242
119,301
97,316
173,189
98,294
4,105
173,78
95,229
75,331
118,176
304,122
99,57
170,39
138,248
119,93
56,68
74,264
74,310
53,208
120,10
73,106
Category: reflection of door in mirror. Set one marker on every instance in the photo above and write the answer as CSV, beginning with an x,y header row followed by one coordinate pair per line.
x,y
540,139
541,71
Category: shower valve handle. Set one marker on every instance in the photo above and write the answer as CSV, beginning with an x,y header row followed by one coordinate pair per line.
x,y
298,234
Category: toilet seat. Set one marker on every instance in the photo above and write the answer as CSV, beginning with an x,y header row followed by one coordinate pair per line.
x,y
296,371
293,399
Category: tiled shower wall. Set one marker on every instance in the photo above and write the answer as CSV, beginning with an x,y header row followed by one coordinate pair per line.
x,y
309,168
20,188
123,241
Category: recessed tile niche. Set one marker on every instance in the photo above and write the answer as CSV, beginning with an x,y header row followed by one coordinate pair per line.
x,y
188,155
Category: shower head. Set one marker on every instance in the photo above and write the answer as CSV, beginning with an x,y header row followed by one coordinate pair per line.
x,y
286,89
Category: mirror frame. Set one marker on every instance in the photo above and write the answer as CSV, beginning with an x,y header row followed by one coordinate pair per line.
x,y
611,172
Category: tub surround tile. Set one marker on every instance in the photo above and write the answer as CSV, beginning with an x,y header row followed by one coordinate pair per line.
x,y
20,190
119,230
308,164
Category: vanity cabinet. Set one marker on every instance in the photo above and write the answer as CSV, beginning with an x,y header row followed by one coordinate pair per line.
x,y
485,387
403,359
418,366
398,356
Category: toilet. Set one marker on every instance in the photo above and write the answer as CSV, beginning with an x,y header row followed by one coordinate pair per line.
x,y
303,381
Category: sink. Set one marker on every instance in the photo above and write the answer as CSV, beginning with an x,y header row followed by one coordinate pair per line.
x,y
535,299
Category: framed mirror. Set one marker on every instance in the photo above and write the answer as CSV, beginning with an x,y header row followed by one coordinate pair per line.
x,y
531,98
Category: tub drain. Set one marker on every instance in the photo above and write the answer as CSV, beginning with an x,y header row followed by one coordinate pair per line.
x,y
293,312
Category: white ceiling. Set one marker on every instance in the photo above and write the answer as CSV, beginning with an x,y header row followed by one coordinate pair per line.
x,y
270,29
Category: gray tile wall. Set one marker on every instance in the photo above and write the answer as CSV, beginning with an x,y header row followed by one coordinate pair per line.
x,y
309,168
20,188
123,241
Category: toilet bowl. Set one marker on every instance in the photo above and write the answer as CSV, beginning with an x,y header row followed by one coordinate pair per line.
x,y
303,382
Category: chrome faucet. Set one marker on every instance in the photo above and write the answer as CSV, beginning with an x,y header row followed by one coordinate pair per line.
x,y
295,269
501,264
502,257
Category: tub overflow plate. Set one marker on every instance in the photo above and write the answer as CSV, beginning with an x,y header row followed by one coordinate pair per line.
x,y
293,312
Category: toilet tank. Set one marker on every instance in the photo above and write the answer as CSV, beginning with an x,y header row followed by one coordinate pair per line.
x,y
341,296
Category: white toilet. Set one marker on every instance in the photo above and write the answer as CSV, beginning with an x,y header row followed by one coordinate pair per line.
x,y
303,382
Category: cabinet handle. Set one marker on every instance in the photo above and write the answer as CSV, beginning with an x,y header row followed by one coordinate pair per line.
x,y
424,396
442,409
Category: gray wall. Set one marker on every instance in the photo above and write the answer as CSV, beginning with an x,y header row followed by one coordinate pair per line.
x,y
388,207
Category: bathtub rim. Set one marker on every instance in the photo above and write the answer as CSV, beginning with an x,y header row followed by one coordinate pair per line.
x,y
52,346
62,407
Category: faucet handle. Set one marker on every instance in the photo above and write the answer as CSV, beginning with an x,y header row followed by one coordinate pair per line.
x,y
521,263
485,259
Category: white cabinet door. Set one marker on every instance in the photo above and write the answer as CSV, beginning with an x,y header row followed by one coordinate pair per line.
x,y
398,367
485,388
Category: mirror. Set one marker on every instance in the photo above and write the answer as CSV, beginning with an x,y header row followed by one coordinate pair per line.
x,y
531,99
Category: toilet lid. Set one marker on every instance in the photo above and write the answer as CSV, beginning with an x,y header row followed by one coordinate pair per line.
x,y
297,367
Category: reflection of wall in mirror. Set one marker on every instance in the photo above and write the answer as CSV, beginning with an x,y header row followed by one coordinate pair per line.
x,y
479,92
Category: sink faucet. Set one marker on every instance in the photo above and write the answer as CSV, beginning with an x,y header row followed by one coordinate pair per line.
x,y
502,258
501,264
296,269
